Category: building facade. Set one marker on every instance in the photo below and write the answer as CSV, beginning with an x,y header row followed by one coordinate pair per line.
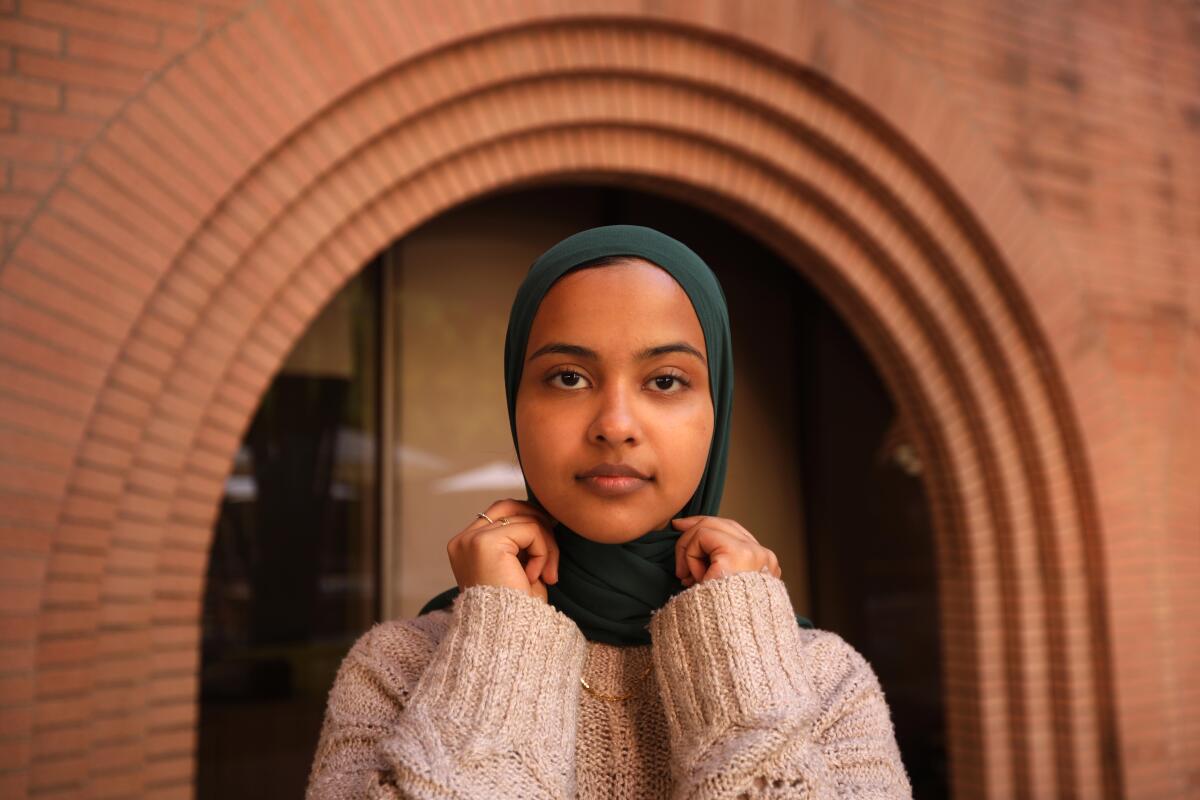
x,y
1001,202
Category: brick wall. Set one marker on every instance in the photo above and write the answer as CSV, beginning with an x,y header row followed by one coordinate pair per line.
x,y
186,183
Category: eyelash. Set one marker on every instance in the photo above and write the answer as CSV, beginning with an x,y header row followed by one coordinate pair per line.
x,y
679,379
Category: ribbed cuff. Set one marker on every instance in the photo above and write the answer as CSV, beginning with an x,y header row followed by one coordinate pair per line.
x,y
508,670
728,652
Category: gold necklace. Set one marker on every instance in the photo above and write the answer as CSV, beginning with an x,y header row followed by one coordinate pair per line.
x,y
618,698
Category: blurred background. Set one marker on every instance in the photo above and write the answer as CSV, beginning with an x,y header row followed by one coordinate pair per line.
x,y
259,258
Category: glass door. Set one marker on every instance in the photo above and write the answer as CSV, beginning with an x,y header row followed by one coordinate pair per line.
x,y
292,574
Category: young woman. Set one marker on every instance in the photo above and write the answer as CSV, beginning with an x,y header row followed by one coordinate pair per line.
x,y
610,637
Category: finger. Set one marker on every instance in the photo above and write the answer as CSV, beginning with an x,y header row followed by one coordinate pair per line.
x,y
681,544
543,556
537,551
519,519
510,507
538,590
550,573
716,552
742,529
696,557
718,523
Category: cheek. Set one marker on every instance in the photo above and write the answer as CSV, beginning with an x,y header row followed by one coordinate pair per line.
x,y
702,441
540,437
689,442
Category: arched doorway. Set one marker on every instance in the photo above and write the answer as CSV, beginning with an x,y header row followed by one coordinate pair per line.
x,y
405,362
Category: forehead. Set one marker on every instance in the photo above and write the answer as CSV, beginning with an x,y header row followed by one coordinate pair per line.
x,y
621,305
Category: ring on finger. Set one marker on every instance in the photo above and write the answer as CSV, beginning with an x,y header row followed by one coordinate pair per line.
x,y
482,515
503,521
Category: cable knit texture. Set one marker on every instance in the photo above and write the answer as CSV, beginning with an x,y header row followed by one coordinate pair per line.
x,y
731,701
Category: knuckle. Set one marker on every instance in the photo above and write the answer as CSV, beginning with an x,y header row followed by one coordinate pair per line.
x,y
479,543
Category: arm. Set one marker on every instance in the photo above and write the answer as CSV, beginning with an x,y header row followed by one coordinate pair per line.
x,y
489,710
758,708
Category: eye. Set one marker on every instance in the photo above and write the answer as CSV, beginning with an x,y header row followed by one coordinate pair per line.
x,y
569,379
669,384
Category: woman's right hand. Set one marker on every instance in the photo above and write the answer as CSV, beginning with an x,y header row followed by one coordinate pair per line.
x,y
521,554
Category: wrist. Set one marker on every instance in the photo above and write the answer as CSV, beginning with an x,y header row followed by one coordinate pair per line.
x,y
728,652
508,663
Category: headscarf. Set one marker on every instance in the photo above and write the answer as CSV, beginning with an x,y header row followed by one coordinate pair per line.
x,y
611,590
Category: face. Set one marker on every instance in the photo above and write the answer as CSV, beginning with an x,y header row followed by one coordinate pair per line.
x,y
615,380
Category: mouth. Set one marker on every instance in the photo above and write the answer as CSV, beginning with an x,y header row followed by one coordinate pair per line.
x,y
613,480
614,471
613,485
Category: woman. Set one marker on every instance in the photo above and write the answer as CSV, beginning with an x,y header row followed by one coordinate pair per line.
x,y
611,636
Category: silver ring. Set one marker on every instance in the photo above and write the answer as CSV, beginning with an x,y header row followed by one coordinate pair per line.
x,y
504,520
485,516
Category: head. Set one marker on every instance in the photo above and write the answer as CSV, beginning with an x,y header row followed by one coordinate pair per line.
x,y
618,353
615,378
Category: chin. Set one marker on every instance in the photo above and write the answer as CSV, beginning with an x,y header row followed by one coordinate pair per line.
x,y
610,531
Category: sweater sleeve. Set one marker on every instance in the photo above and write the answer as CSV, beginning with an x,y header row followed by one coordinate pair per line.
x,y
758,708
488,710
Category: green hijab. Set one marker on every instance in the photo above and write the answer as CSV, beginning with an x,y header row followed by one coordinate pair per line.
x,y
610,590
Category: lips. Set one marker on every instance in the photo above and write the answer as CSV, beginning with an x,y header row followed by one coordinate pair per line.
x,y
613,471
613,480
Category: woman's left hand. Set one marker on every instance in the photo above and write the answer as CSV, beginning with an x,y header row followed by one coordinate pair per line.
x,y
713,547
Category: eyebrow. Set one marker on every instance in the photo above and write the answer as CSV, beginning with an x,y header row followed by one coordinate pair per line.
x,y
587,353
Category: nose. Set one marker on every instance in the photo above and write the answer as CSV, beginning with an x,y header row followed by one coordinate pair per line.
x,y
615,420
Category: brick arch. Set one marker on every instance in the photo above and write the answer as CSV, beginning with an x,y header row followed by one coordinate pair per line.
x,y
229,224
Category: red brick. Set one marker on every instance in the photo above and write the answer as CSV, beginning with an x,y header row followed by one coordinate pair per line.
x,y
71,592
19,600
105,224
14,754
16,721
17,632
16,689
32,449
18,539
78,72
17,205
120,783
30,35
91,253
30,92
27,148
58,125
177,40
93,103
49,361
68,152
73,621
55,272
185,14
34,179
72,17
37,415
16,782
105,51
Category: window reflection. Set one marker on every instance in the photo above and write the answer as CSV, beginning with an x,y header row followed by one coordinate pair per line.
x,y
292,573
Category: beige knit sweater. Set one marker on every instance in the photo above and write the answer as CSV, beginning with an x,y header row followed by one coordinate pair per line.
x,y
731,700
